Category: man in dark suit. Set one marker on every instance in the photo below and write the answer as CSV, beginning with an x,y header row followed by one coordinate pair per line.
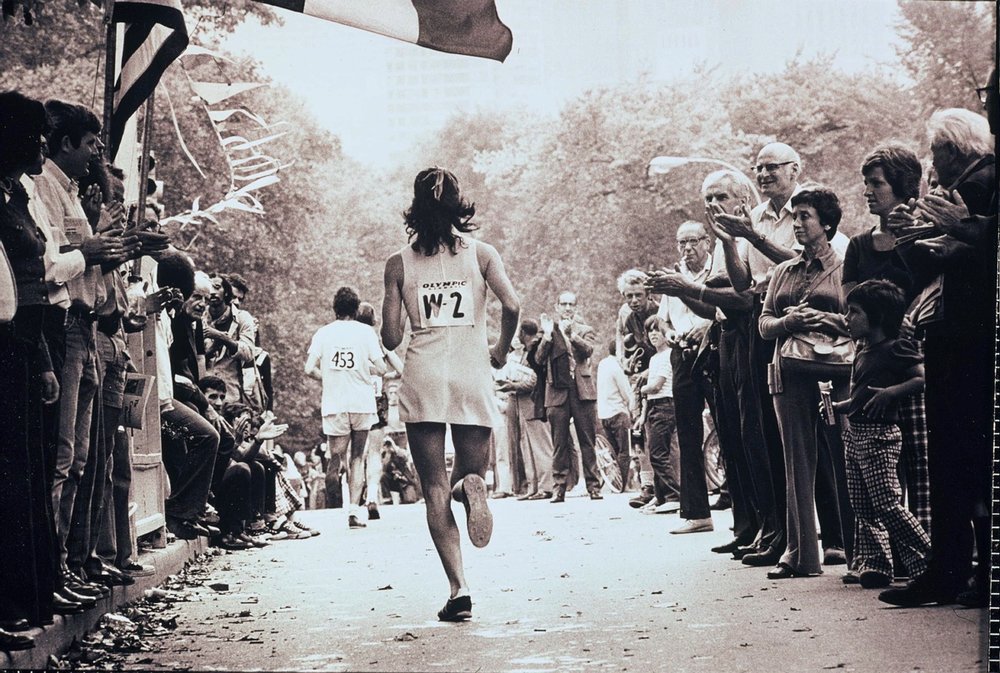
x,y
570,392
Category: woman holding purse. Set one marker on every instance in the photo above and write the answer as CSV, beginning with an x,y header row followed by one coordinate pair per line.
x,y
803,311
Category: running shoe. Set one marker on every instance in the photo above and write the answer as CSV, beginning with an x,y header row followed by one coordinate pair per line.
x,y
458,609
479,518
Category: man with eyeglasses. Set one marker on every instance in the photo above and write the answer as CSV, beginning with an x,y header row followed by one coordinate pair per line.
x,y
762,238
738,419
691,392
566,347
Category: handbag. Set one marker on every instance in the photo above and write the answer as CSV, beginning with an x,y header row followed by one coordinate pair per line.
x,y
816,354
813,354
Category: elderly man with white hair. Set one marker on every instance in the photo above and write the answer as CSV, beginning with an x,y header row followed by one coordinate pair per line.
x,y
957,321
763,238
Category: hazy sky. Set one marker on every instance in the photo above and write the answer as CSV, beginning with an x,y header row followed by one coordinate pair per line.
x,y
561,48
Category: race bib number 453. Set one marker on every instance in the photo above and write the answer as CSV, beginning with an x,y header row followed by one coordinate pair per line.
x,y
343,358
445,304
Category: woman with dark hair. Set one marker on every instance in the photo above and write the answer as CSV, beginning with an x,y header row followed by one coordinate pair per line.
x,y
27,382
440,280
804,299
892,177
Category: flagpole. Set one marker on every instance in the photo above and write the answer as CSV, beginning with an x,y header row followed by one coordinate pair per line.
x,y
110,56
147,142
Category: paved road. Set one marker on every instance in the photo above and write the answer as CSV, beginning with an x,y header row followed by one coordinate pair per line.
x,y
591,586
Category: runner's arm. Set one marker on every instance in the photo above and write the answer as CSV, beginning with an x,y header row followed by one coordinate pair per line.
x,y
392,304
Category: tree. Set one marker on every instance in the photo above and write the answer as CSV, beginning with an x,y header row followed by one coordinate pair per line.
x,y
949,49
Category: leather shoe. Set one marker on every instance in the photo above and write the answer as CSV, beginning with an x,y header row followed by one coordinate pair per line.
x,y
723,502
728,548
973,598
834,556
137,569
73,597
527,496
232,543
694,526
184,530
65,606
851,578
559,495
917,592
740,552
761,559
783,571
15,625
871,579
15,641
596,495
541,495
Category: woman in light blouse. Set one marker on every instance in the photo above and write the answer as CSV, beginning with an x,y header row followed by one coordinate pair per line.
x,y
805,295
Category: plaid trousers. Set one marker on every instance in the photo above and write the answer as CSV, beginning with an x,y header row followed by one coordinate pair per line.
x,y
872,453
286,499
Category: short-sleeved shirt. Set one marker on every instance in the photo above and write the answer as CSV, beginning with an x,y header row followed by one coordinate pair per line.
x,y
345,349
659,366
880,365
863,262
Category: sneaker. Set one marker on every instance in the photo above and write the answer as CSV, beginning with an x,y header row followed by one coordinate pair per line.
x,y
694,526
669,507
373,512
650,507
479,518
458,609
312,531
644,498
353,522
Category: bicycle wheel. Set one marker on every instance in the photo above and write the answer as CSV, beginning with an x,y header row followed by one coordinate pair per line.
x,y
607,465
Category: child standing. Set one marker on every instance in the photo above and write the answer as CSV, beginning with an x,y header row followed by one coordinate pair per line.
x,y
886,370
660,421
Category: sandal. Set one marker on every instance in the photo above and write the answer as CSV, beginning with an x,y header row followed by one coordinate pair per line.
x,y
458,609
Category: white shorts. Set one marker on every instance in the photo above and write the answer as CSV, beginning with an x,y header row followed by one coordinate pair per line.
x,y
339,425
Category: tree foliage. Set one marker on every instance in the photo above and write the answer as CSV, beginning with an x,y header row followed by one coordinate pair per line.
x,y
949,49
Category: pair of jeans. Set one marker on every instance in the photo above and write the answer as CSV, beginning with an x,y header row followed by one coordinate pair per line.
x,y
79,386
660,425
618,430
189,460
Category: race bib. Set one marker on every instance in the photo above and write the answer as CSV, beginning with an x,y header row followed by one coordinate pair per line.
x,y
445,303
344,358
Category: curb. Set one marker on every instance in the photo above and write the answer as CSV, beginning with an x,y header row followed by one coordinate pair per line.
x,y
57,638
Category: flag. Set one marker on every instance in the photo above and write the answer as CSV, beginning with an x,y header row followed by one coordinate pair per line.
x,y
469,27
155,35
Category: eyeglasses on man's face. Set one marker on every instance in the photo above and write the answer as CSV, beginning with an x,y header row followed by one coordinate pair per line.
x,y
692,242
770,168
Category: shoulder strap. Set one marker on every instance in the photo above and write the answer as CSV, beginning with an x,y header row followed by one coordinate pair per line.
x,y
820,278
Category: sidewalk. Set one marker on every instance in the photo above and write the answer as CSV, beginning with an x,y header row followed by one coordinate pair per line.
x,y
56,639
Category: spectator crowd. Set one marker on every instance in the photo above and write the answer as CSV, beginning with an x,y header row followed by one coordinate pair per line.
x,y
848,380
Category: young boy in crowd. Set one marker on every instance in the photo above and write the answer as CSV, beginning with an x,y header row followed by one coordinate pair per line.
x,y
886,370
660,421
